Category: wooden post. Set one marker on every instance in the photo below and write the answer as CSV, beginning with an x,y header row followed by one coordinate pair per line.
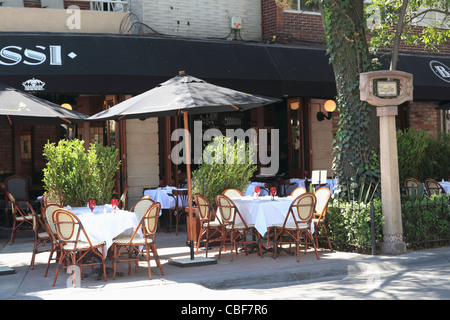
x,y
189,184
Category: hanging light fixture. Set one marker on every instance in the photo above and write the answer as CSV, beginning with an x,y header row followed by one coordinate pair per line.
x,y
329,107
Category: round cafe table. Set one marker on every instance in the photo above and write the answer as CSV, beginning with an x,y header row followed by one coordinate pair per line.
x,y
103,224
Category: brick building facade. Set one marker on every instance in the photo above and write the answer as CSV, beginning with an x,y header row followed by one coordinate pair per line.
x,y
233,58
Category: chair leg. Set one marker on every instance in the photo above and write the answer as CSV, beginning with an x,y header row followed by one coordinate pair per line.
x,y
326,234
156,257
177,218
48,262
199,239
13,233
114,261
33,256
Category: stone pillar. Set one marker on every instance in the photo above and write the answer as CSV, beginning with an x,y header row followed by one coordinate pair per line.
x,y
390,186
386,90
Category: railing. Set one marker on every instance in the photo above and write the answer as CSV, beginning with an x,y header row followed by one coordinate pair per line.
x,y
357,227
110,5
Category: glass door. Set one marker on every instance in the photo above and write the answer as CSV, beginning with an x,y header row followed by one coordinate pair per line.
x,y
295,137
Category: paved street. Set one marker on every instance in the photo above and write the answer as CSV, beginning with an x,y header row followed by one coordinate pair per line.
x,y
336,275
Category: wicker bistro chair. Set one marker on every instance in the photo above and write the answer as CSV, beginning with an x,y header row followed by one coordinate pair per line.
x,y
298,191
50,228
17,186
41,236
411,185
232,193
322,196
210,230
433,187
181,198
73,250
301,211
123,200
21,220
237,232
141,206
136,249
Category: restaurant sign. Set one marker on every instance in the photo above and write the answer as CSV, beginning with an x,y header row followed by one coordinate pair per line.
x,y
386,88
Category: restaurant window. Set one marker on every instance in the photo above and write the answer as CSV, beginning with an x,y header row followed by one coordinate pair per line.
x,y
304,6
295,137
96,134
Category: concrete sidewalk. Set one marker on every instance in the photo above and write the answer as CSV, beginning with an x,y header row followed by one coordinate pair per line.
x,y
201,282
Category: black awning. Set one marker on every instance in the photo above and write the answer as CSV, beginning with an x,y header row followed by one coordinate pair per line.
x,y
131,64
86,63
431,76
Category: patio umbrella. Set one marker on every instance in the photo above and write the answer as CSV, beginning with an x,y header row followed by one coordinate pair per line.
x,y
183,94
20,108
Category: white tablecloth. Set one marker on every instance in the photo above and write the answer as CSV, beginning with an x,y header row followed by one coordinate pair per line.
x,y
161,195
446,186
264,212
104,225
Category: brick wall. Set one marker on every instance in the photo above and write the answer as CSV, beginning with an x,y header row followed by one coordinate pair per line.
x,y
6,150
32,3
422,115
42,135
307,29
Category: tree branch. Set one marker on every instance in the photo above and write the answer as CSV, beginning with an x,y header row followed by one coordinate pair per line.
x,y
398,34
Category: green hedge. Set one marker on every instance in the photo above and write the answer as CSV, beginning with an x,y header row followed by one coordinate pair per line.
x,y
426,223
74,176
423,155
349,225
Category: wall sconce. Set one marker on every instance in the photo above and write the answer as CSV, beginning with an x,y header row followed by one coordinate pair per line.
x,y
329,107
294,105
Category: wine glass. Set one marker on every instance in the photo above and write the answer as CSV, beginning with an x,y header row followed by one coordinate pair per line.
x,y
92,205
273,192
257,191
114,204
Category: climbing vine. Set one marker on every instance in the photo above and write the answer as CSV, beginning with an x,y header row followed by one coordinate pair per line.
x,y
355,163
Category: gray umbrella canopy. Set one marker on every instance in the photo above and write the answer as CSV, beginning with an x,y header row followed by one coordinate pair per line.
x,y
186,93
20,108
191,96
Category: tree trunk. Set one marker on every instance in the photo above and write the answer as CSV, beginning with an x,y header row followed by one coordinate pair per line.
x,y
358,132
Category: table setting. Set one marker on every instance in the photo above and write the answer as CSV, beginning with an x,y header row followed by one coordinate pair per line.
x,y
163,195
105,222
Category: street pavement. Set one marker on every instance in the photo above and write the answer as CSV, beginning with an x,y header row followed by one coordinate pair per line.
x,y
221,281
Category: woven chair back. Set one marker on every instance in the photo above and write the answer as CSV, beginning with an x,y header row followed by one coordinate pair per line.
x,y
49,209
322,197
151,219
203,206
227,208
142,206
233,193
303,207
298,191
433,187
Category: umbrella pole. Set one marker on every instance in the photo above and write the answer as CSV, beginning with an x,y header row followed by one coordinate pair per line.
x,y
189,185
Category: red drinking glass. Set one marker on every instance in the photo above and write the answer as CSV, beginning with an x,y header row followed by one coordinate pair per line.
x,y
114,203
273,192
257,190
92,205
